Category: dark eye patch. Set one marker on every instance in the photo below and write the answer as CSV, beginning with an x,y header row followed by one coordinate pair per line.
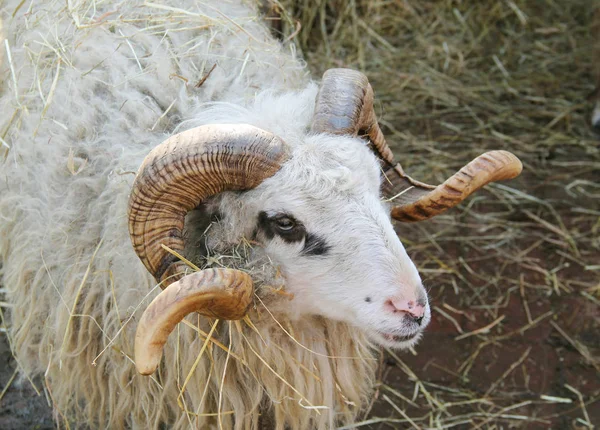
x,y
291,230
315,245
282,225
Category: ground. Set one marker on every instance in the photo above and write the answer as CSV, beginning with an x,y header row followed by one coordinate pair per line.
x,y
514,273
20,406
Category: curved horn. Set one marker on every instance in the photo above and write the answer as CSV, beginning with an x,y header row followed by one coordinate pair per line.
x,y
218,293
345,106
183,171
418,201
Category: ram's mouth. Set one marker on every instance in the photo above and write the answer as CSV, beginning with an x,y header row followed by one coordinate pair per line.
x,y
398,338
399,341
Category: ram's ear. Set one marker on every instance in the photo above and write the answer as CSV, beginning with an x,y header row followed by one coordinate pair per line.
x,y
345,106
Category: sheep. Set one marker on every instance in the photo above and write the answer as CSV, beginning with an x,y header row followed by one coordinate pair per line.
x,y
269,183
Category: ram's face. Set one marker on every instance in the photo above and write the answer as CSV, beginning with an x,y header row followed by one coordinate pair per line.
x,y
322,221
314,205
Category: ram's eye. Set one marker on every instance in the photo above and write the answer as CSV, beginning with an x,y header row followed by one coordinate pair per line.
x,y
285,223
282,225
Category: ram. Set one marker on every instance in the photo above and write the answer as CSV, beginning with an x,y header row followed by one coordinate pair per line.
x,y
260,213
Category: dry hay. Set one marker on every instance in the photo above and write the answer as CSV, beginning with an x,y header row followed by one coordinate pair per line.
x,y
514,273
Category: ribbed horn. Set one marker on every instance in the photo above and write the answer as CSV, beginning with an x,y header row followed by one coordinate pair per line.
x,y
180,173
218,293
415,201
344,106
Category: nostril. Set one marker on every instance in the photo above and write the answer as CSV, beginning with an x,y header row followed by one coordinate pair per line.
x,y
418,319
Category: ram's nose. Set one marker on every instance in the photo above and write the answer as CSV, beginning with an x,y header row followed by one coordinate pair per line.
x,y
414,308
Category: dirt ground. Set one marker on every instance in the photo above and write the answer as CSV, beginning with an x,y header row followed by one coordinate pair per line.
x,y
20,406
513,274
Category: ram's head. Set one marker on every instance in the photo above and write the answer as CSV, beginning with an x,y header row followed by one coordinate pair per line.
x,y
314,207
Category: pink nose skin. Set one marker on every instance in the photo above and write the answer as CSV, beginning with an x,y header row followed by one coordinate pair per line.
x,y
411,307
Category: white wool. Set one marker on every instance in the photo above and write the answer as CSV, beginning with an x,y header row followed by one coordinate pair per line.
x,y
97,86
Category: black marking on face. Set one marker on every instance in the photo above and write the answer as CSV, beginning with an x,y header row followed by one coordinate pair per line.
x,y
368,299
315,245
283,225
264,225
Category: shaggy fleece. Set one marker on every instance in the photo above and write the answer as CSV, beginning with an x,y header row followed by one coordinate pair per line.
x,y
88,88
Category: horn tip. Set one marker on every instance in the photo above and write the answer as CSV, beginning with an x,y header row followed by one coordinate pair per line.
x,y
145,368
146,358
511,165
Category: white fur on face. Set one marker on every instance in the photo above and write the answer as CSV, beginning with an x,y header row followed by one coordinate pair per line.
x,y
331,186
